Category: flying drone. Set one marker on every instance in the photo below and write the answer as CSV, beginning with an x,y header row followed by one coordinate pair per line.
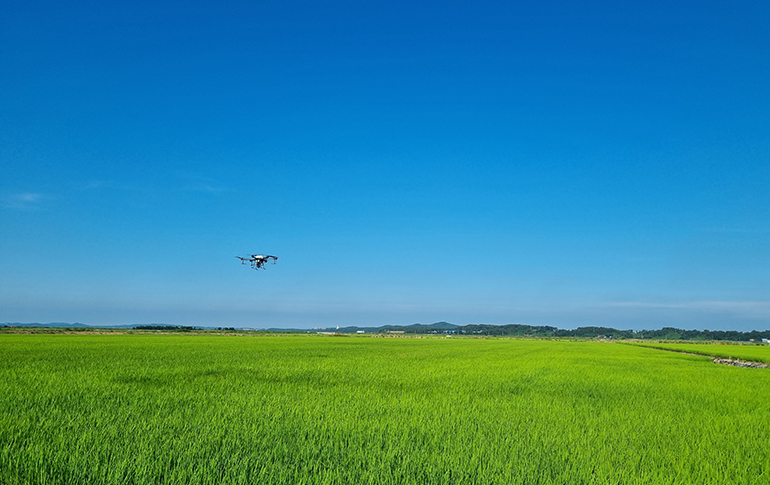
x,y
257,261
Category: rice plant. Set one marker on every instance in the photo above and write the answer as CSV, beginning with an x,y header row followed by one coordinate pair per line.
x,y
212,409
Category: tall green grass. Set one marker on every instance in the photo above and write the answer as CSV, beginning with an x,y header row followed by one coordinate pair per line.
x,y
200,409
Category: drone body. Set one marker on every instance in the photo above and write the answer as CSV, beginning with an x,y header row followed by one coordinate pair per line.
x,y
257,261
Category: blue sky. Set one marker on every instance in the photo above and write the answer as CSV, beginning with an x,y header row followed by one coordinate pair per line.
x,y
550,163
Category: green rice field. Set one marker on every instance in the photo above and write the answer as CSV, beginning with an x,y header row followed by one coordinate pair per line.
x,y
216,409
749,352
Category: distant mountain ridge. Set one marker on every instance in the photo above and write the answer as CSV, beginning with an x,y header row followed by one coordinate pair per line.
x,y
52,324
509,330
546,331
69,325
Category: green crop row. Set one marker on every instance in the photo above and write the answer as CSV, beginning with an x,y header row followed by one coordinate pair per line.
x,y
200,409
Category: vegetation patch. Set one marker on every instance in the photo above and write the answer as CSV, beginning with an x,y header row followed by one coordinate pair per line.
x,y
748,353
198,409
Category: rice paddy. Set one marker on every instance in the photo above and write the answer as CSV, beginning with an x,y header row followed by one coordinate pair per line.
x,y
750,352
206,409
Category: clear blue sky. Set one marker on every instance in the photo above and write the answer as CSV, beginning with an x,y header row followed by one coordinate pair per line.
x,y
550,163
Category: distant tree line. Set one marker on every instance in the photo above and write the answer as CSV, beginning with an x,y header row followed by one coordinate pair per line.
x,y
665,333
166,328
509,330
518,330
670,333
